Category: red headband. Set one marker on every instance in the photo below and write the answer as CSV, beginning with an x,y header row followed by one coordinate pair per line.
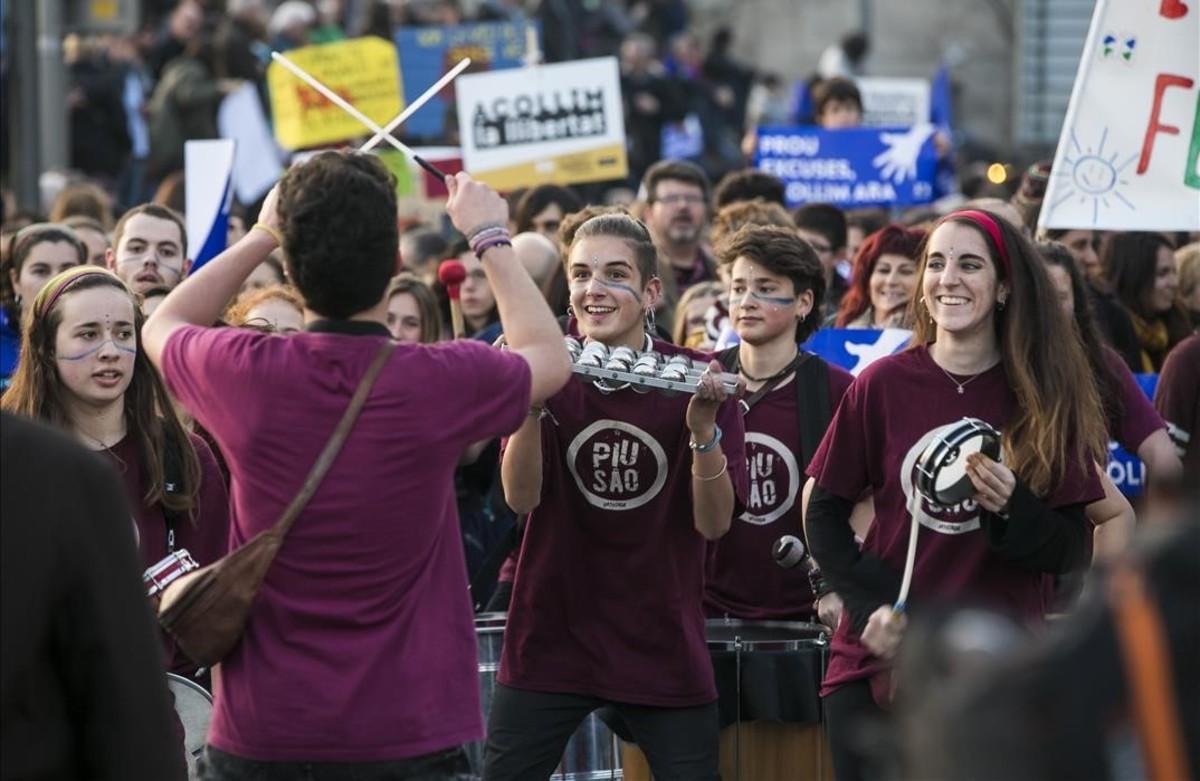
x,y
986,221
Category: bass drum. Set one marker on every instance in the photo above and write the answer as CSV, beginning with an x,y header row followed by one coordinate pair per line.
x,y
194,706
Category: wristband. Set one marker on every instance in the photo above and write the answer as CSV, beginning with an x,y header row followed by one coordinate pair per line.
x,y
484,246
478,229
721,471
708,446
816,581
275,234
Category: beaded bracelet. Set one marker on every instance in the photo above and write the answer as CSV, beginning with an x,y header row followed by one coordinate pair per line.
x,y
816,581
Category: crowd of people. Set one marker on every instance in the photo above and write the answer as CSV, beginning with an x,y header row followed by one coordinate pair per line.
x,y
483,475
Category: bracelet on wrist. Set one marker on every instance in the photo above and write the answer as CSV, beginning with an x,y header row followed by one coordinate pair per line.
x,y
272,232
479,229
816,581
721,471
708,446
483,247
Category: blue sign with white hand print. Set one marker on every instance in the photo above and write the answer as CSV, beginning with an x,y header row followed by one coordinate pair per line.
x,y
853,167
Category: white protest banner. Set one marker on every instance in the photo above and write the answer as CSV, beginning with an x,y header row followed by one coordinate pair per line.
x,y
559,124
1127,158
890,102
256,162
208,194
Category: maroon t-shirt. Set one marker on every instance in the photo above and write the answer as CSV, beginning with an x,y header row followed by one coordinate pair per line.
x,y
1177,398
1138,418
360,646
205,535
895,408
607,596
741,578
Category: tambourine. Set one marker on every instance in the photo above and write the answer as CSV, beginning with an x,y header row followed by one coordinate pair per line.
x,y
170,569
942,467
624,367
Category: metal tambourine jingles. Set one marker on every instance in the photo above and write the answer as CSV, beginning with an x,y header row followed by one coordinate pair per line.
x,y
643,371
941,468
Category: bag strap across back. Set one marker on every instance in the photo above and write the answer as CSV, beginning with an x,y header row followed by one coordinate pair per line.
x,y
334,445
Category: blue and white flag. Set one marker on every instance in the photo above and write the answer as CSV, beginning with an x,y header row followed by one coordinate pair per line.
x,y
850,168
208,194
854,349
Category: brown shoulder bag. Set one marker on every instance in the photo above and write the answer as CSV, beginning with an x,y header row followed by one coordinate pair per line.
x,y
206,610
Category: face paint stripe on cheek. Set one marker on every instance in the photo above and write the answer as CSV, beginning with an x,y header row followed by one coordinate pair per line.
x,y
96,349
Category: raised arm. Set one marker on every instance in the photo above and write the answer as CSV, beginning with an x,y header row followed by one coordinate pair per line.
x,y
529,327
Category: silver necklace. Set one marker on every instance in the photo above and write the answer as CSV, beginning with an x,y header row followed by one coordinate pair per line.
x,y
957,384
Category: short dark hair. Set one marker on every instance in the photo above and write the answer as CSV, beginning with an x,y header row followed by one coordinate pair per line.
x,y
425,245
338,214
781,251
157,211
836,89
825,219
535,201
677,170
746,185
621,226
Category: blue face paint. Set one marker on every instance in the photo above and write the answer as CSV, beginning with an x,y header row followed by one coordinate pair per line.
x,y
577,284
94,350
759,297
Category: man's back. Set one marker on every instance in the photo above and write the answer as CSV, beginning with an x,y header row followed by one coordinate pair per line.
x,y
362,640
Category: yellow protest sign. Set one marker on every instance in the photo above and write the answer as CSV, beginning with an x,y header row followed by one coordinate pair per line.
x,y
364,72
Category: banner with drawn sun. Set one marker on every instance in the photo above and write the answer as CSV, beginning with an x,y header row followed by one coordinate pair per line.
x,y
364,72
550,124
1128,157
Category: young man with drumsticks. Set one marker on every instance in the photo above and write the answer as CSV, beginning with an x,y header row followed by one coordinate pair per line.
x,y
982,322
623,488
359,655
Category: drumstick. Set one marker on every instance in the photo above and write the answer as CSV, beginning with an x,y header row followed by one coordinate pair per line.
x,y
451,274
911,559
416,104
338,101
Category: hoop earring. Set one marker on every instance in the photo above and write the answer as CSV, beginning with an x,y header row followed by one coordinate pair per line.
x,y
570,310
651,322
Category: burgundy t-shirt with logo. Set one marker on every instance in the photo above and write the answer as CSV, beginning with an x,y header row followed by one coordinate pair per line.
x,y
894,409
610,579
742,580
361,645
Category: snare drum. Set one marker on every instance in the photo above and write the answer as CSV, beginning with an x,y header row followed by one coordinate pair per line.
x,y
768,686
590,755
194,707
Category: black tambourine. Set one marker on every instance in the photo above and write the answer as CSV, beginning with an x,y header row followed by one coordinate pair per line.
x,y
942,467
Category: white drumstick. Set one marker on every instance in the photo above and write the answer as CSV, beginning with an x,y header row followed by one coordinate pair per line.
x,y
911,560
416,104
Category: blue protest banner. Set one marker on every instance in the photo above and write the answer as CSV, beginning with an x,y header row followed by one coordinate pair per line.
x,y
854,349
850,168
1126,471
428,52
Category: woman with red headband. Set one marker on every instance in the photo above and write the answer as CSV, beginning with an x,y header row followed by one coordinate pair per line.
x,y
83,369
985,308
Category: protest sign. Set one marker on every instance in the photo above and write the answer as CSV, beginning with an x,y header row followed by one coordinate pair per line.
x,y
850,168
891,102
1128,157
854,349
208,194
560,124
364,72
428,52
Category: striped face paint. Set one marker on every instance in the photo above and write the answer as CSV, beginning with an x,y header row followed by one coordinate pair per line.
x,y
96,349
613,285
736,299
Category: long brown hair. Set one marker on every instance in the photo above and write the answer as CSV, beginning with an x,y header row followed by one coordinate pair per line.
x,y
37,390
1058,411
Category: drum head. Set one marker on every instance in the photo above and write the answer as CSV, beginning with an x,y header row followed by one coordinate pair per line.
x,y
942,468
194,706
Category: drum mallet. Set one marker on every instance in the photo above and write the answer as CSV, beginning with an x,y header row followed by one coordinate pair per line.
x,y
451,274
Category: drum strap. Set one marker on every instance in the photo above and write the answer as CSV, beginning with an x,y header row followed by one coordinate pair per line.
x,y
1146,655
813,408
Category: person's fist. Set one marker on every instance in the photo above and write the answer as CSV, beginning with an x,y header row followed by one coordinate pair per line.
x,y
473,205
885,629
